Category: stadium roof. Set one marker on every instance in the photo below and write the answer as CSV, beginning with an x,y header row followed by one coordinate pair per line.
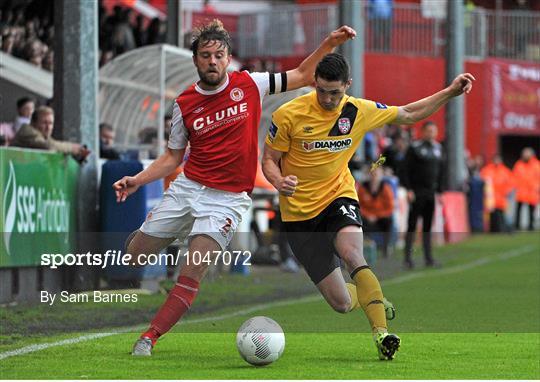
x,y
137,89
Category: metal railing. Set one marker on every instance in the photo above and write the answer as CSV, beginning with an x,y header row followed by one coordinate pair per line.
x,y
513,34
284,31
292,30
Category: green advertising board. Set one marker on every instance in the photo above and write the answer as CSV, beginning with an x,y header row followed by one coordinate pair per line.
x,y
38,204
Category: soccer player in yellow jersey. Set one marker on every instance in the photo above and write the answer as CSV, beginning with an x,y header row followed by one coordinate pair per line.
x,y
308,146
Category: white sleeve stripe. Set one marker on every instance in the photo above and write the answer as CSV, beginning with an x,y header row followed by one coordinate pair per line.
x,y
277,77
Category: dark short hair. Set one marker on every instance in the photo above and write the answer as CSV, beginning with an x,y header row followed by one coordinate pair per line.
x,y
105,126
24,100
428,123
333,67
213,31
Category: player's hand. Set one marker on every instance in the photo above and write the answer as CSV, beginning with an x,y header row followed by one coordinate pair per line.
x,y
462,84
287,185
339,36
411,196
125,187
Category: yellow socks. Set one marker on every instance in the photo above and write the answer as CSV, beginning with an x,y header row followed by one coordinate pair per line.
x,y
370,297
355,304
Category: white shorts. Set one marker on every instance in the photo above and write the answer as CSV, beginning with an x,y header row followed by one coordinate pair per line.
x,y
188,208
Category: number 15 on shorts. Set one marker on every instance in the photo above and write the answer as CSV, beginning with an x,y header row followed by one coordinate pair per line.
x,y
350,212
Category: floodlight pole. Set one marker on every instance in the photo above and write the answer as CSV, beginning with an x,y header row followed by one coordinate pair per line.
x,y
455,110
174,23
352,13
75,104
161,126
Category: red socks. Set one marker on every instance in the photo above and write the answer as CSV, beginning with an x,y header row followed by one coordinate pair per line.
x,y
178,302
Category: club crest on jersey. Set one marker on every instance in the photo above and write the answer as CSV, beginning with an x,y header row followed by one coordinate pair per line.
x,y
344,125
237,94
328,145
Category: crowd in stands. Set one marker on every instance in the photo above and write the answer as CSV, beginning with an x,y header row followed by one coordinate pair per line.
x,y
123,30
27,31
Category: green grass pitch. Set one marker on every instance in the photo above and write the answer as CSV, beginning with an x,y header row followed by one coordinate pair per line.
x,y
478,317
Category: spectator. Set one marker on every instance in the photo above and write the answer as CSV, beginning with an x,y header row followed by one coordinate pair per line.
x,y
37,135
499,177
106,142
479,196
25,108
423,171
208,9
106,56
48,61
527,180
395,155
380,15
376,207
370,147
167,123
34,52
149,136
156,33
6,133
8,41
122,34
138,31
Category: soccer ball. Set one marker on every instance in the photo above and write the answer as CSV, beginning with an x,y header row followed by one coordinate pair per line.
x,y
260,341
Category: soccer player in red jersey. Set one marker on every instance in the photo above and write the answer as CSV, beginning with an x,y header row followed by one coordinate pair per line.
x,y
219,117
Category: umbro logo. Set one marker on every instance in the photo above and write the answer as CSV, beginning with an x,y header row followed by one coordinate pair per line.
x,y
308,129
198,110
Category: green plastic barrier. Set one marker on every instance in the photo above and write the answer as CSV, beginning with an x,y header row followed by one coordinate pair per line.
x,y
38,205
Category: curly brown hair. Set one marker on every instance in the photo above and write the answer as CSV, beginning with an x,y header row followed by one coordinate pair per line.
x,y
212,31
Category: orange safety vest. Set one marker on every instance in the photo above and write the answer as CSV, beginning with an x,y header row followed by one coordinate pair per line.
x,y
527,180
380,205
502,183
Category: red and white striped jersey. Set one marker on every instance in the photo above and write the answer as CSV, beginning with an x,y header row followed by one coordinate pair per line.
x,y
221,126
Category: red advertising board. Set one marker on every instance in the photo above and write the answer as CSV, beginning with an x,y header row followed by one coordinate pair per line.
x,y
513,97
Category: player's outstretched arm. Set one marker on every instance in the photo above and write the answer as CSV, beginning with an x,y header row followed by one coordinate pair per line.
x,y
159,168
303,74
419,110
286,185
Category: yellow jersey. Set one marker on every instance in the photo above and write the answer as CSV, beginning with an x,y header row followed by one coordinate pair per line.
x,y
318,145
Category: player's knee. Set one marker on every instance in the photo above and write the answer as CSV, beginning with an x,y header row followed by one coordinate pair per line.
x,y
342,308
194,271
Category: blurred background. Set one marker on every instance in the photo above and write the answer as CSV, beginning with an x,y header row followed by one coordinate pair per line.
x,y
111,69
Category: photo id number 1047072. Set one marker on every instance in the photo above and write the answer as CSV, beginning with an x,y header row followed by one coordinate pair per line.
x,y
215,257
